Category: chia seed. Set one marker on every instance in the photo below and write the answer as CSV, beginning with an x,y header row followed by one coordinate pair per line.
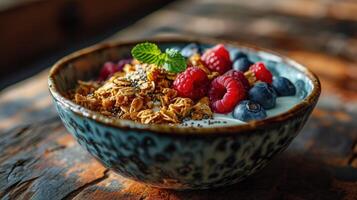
x,y
137,77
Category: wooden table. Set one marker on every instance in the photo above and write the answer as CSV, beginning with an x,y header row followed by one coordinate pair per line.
x,y
39,159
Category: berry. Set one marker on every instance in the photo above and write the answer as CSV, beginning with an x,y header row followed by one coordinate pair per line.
x,y
217,59
264,94
191,49
238,75
261,72
122,63
242,64
300,87
221,50
108,69
235,55
225,93
284,87
248,110
193,83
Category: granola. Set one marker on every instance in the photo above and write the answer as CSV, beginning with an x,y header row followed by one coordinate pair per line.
x,y
157,87
142,93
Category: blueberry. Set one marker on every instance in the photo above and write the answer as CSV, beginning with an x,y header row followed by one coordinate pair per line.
x,y
236,54
191,49
264,94
232,52
248,110
300,87
177,48
242,64
283,86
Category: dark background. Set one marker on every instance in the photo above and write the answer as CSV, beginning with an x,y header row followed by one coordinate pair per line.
x,y
36,33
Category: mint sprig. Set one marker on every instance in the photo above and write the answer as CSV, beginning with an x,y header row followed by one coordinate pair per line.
x,y
171,60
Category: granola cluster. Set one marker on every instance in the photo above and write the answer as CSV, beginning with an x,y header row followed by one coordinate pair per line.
x,y
142,93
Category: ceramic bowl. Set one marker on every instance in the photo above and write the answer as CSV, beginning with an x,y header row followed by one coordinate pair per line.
x,y
172,157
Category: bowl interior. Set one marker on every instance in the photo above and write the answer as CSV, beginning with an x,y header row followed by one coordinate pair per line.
x,y
86,64
87,67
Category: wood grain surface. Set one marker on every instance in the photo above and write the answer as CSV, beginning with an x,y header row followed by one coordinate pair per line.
x,y
39,159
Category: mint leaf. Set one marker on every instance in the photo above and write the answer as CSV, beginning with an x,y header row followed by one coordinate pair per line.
x,y
174,61
171,60
146,53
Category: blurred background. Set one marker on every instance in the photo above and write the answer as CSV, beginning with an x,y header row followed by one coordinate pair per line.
x,y
36,33
323,33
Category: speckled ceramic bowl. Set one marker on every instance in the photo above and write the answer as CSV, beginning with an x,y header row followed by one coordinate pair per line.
x,y
173,157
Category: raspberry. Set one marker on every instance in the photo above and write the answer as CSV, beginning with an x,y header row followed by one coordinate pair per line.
x,y
108,69
221,50
217,59
261,72
225,93
238,75
193,83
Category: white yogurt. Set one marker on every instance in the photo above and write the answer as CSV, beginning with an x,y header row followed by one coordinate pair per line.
x,y
283,104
